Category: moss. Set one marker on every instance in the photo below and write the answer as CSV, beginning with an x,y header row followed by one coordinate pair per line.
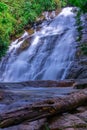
x,y
79,26
84,48
46,126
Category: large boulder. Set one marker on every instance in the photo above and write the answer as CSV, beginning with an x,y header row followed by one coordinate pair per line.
x,y
78,68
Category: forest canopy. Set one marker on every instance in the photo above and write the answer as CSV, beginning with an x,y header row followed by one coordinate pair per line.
x,y
14,15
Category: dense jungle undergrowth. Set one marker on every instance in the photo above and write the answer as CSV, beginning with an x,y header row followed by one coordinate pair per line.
x,y
15,15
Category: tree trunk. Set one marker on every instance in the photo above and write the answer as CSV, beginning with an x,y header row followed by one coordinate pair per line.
x,y
43,109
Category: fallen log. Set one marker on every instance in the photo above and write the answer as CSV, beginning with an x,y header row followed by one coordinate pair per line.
x,y
43,109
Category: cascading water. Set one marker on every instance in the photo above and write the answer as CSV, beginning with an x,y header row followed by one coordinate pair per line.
x,y
49,53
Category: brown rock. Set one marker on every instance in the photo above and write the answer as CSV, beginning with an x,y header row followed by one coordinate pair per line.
x,y
30,31
80,85
67,122
34,125
83,115
40,19
24,46
78,69
81,109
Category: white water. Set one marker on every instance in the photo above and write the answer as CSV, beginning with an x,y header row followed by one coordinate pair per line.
x,y
49,55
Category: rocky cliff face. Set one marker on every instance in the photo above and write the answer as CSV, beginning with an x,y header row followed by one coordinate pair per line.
x,y
78,69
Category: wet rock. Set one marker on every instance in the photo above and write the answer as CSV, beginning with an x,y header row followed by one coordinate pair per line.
x,y
39,83
1,95
74,71
81,84
40,19
67,122
24,45
30,31
34,125
78,69
81,109
83,115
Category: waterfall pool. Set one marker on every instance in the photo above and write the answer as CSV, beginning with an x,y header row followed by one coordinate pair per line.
x,y
15,98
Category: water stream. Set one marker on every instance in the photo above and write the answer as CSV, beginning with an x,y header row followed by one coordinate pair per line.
x,y
49,54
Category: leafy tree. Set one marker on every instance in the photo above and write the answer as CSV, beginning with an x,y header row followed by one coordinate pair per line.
x,y
79,3
6,27
15,14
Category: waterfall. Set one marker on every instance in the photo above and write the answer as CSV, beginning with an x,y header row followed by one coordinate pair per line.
x,y
49,53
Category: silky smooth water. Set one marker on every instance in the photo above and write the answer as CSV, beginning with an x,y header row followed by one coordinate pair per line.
x,y
49,55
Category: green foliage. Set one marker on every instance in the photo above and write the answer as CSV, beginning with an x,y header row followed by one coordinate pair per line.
x,y
3,7
3,48
84,48
15,14
46,126
6,27
64,3
79,3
